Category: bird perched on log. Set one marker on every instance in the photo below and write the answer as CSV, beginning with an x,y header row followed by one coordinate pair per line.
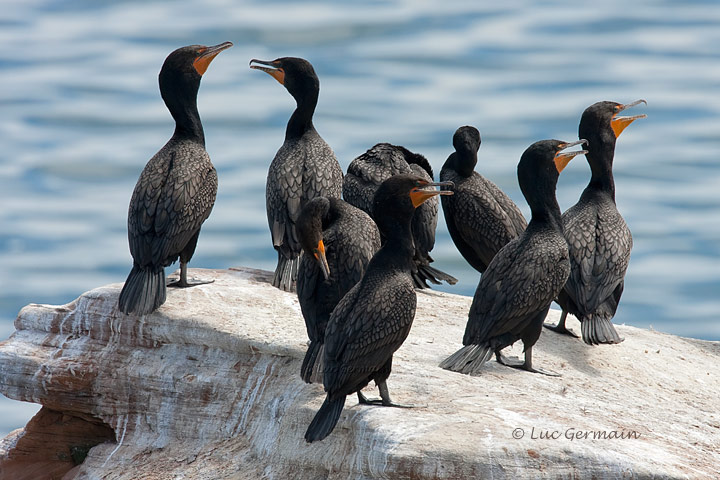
x,y
364,176
597,235
372,321
304,167
338,240
480,217
515,292
175,192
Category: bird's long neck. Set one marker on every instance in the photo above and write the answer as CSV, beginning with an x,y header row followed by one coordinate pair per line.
x,y
600,159
188,125
182,104
463,163
547,214
398,248
301,120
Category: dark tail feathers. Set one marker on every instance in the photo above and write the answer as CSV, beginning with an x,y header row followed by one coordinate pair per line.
x,y
433,275
286,273
599,329
468,360
144,290
313,358
325,419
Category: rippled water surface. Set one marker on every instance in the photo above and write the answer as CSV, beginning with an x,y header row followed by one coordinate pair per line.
x,y
81,114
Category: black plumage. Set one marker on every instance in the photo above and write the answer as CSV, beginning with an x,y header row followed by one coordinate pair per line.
x,y
304,167
515,292
371,322
175,192
480,217
364,176
338,242
597,235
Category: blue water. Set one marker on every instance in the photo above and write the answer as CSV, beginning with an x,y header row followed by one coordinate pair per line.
x,y
81,114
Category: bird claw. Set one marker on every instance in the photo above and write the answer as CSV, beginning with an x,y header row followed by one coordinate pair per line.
x,y
560,329
509,361
185,284
379,401
398,405
549,373
362,399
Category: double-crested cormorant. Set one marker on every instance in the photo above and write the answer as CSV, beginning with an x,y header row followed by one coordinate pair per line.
x,y
597,235
481,219
364,176
175,192
338,240
305,167
374,318
515,292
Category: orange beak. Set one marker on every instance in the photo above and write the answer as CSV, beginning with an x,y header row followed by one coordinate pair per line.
x,y
271,69
207,54
563,158
418,196
620,123
319,254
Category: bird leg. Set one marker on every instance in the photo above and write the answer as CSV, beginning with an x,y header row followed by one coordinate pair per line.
x,y
362,399
385,396
384,399
560,327
182,282
527,364
508,361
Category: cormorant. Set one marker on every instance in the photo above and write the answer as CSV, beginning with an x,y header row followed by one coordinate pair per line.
x,y
597,235
481,219
374,318
364,176
175,192
515,292
304,167
338,240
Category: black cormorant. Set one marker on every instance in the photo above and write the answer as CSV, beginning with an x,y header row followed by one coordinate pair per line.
x,y
374,318
481,219
175,192
515,292
364,176
338,240
304,167
597,235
